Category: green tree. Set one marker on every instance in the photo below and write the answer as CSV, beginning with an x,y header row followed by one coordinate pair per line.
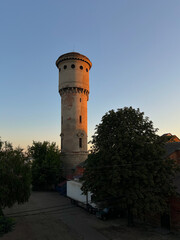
x,y
46,165
15,176
128,164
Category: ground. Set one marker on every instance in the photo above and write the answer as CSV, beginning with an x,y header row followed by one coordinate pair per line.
x,y
49,216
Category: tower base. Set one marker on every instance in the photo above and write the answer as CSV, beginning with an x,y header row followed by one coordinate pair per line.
x,y
70,161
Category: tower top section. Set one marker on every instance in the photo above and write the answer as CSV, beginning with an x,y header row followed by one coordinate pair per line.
x,y
73,72
73,56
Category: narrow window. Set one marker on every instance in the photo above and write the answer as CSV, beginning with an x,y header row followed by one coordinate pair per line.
x,y
80,142
80,119
80,99
61,143
86,70
65,66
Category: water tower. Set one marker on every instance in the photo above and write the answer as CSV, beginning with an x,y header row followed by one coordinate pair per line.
x,y
74,91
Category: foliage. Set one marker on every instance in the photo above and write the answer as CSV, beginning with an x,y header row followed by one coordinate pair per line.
x,y
15,176
128,163
6,225
46,165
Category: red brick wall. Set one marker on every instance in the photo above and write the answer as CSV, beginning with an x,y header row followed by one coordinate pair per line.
x,y
175,213
176,156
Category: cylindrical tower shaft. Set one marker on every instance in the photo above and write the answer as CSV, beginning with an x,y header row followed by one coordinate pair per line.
x,y
74,90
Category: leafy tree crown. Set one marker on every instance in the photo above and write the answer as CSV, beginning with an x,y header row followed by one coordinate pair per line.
x,y
128,163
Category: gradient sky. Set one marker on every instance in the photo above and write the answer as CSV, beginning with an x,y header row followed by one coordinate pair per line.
x,y
134,46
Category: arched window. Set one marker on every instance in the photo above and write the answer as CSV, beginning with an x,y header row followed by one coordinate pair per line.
x,y
80,119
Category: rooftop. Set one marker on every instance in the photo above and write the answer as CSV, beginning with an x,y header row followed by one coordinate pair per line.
x,y
73,55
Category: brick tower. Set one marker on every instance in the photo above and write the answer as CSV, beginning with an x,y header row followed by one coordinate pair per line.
x,y
74,91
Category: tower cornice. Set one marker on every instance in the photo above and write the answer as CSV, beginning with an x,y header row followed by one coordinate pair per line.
x,y
63,91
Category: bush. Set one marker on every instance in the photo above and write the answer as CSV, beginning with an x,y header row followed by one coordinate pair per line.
x,y
6,225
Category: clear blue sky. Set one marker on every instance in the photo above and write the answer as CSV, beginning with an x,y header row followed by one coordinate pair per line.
x,y
134,46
